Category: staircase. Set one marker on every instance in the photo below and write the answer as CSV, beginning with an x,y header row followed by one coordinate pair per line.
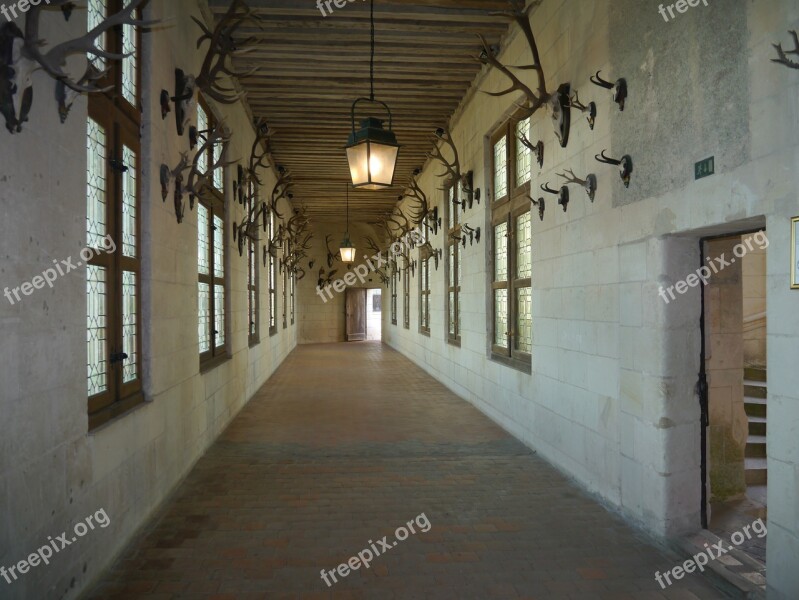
x,y
755,395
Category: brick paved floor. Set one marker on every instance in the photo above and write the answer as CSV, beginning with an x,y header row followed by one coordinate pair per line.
x,y
344,444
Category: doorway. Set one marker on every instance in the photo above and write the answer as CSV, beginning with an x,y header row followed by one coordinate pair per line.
x,y
735,407
355,311
374,315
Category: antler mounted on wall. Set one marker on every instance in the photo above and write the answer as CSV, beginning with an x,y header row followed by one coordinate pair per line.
x,y
541,204
199,181
562,194
557,101
421,214
22,53
281,190
536,149
452,168
589,184
625,162
782,55
223,47
619,88
589,111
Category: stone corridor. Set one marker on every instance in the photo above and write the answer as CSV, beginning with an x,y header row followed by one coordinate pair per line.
x,y
347,442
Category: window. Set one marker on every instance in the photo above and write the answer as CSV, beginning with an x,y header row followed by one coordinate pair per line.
x,y
453,266
253,290
424,285
394,282
211,278
113,231
285,286
272,275
511,330
293,294
406,296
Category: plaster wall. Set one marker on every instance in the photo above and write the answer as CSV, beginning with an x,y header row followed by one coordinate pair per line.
x,y
53,473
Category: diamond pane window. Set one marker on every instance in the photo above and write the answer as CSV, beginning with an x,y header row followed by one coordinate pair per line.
x,y
130,65
523,246
523,153
219,311
452,313
219,180
202,129
524,320
204,309
501,318
129,327
501,252
129,203
97,329
501,168
96,185
219,247
203,242
97,10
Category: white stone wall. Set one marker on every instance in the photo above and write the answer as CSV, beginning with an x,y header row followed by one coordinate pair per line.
x,y
611,397
52,472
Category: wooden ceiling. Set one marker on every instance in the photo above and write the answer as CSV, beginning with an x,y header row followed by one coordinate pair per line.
x,y
311,69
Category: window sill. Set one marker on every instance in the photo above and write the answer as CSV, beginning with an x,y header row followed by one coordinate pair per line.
x,y
425,332
116,412
255,342
514,363
213,363
456,343
273,332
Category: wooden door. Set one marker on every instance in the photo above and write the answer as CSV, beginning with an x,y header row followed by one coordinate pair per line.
x,y
356,315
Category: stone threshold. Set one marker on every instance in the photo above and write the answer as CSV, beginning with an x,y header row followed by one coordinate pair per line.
x,y
736,573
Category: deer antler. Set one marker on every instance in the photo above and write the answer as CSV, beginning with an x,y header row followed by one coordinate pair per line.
x,y
54,60
222,48
589,183
782,54
198,181
520,14
281,189
452,169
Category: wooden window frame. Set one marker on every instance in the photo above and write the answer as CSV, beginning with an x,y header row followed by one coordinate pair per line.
x,y
215,205
121,122
506,209
293,294
393,290
424,292
406,297
253,294
272,278
452,272
284,291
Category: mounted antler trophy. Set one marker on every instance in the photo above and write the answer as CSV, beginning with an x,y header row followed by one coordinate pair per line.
x,y
589,111
626,163
783,54
423,214
562,194
452,169
589,183
536,149
21,54
200,179
557,101
541,204
619,88
474,234
222,48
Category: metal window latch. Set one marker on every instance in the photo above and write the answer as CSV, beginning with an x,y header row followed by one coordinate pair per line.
x,y
118,357
118,165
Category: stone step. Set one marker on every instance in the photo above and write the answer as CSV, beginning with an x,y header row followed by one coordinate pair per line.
x,y
755,409
755,446
757,425
756,471
755,374
755,391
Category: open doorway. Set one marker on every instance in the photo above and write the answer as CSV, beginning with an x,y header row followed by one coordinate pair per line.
x,y
374,315
734,349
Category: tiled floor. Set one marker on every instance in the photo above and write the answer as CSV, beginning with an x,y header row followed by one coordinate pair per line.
x,y
344,444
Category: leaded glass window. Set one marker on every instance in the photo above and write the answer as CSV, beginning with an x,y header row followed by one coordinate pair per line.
x,y
211,284
453,265
252,291
510,249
